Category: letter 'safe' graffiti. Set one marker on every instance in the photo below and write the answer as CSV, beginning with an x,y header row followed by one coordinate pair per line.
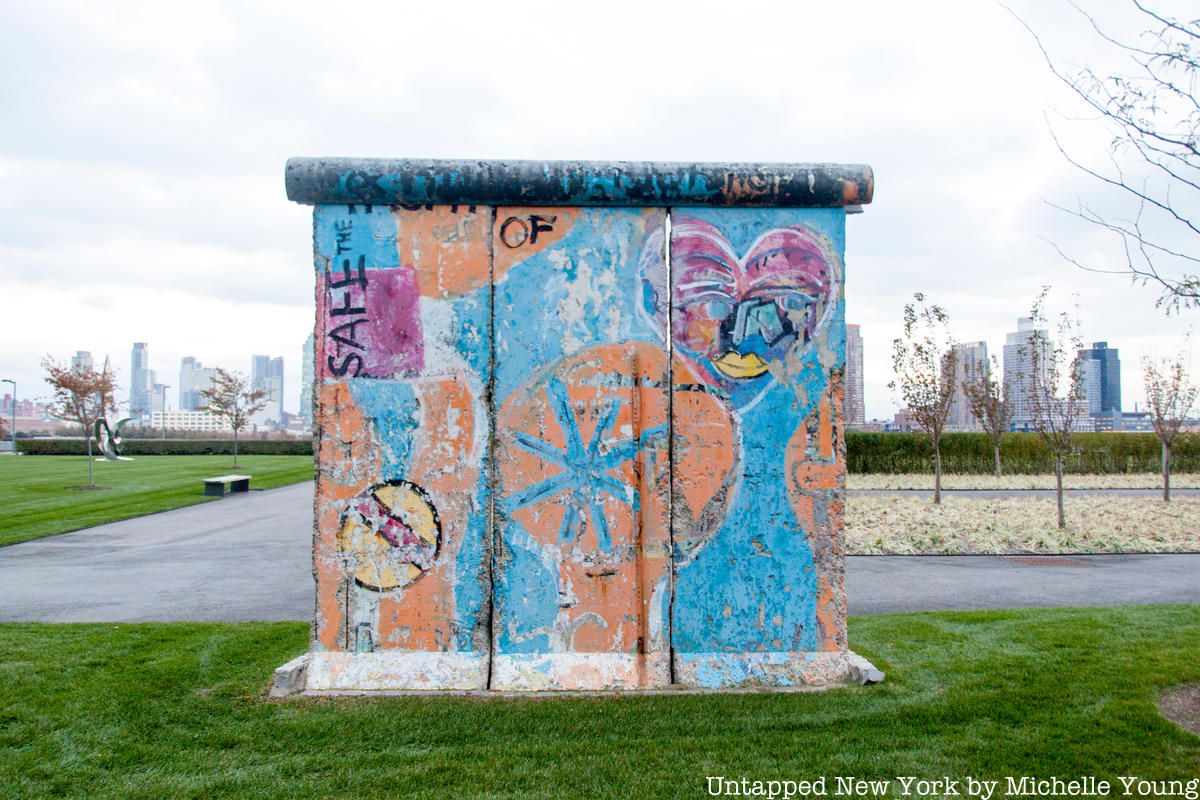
x,y
578,447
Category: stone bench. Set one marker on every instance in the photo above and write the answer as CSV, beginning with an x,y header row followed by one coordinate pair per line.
x,y
215,487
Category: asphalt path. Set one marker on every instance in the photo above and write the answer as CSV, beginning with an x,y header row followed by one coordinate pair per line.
x,y
244,557
247,557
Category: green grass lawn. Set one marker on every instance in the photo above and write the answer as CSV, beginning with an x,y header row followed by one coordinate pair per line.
x,y
176,710
40,494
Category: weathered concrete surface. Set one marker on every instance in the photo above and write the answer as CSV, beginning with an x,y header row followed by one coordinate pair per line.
x,y
882,584
289,679
545,461
403,361
582,462
245,557
518,358
758,327
416,182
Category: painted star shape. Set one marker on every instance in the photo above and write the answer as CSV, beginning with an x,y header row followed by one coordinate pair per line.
x,y
585,467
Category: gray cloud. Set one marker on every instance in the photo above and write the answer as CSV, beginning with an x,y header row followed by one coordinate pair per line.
x,y
141,160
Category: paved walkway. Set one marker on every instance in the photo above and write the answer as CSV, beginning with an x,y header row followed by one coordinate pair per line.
x,y
246,557
878,584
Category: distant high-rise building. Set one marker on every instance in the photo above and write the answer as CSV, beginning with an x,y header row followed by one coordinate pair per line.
x,y
275,378
1018,369
141,381
266,375
856,411
194,377
259,367
1101,367
972,361
82,358
158,396
306,380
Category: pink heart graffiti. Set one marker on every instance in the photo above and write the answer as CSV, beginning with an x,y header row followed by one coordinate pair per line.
x,y
735,317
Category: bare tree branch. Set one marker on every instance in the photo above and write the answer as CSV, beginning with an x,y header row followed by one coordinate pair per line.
x,y
1152,114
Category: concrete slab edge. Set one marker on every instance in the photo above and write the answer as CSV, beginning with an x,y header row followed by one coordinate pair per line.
x,y
290,680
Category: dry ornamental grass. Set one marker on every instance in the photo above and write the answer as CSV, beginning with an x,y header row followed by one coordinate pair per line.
x,y
1148,480
959,526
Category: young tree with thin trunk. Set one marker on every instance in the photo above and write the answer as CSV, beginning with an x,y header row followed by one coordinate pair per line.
x,y
82,395
231,397
1057,404
1170,395
926,362
990,405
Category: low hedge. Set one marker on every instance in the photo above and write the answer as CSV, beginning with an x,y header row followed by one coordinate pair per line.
x,y
171,447
962,453
1020,453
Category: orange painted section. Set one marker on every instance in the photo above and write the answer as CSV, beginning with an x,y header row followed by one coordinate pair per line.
x,y
447,246
347,460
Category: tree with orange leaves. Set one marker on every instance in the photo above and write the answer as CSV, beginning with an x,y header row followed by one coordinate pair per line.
x,y
82,395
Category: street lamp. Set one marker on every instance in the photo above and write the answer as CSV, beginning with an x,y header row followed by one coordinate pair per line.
x,y
162,387
14,412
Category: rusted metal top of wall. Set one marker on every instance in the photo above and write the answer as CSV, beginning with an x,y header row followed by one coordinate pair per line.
x,y
575,183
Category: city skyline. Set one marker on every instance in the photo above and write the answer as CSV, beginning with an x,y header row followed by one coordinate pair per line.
x,y
146,393
269,373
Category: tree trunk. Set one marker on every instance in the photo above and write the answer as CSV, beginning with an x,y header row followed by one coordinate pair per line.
x,y
937,472
996,451
1166,459
91,474
1062,514
235,447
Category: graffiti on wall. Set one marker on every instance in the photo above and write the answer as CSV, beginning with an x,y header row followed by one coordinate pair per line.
x,y
577,448
758,321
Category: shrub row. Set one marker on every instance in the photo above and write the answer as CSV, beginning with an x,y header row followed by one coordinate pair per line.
x,y
171,447
963,453
1020,453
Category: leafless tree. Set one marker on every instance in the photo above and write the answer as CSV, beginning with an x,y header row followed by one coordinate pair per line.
x,y
231,397
82,395
1056,401
1151,115
1170,395
990,405
925,362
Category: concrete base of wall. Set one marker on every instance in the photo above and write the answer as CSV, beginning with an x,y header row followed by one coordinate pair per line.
x,y
388,669
587,672
772,669
465,674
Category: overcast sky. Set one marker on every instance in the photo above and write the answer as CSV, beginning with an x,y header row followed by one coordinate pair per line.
x,y
142,152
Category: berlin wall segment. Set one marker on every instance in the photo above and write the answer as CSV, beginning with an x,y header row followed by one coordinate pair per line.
x,y
547,461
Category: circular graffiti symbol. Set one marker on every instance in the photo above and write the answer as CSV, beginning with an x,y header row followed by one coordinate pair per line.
x,y
390,535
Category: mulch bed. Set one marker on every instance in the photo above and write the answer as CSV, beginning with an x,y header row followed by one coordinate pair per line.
x,y
1182,706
